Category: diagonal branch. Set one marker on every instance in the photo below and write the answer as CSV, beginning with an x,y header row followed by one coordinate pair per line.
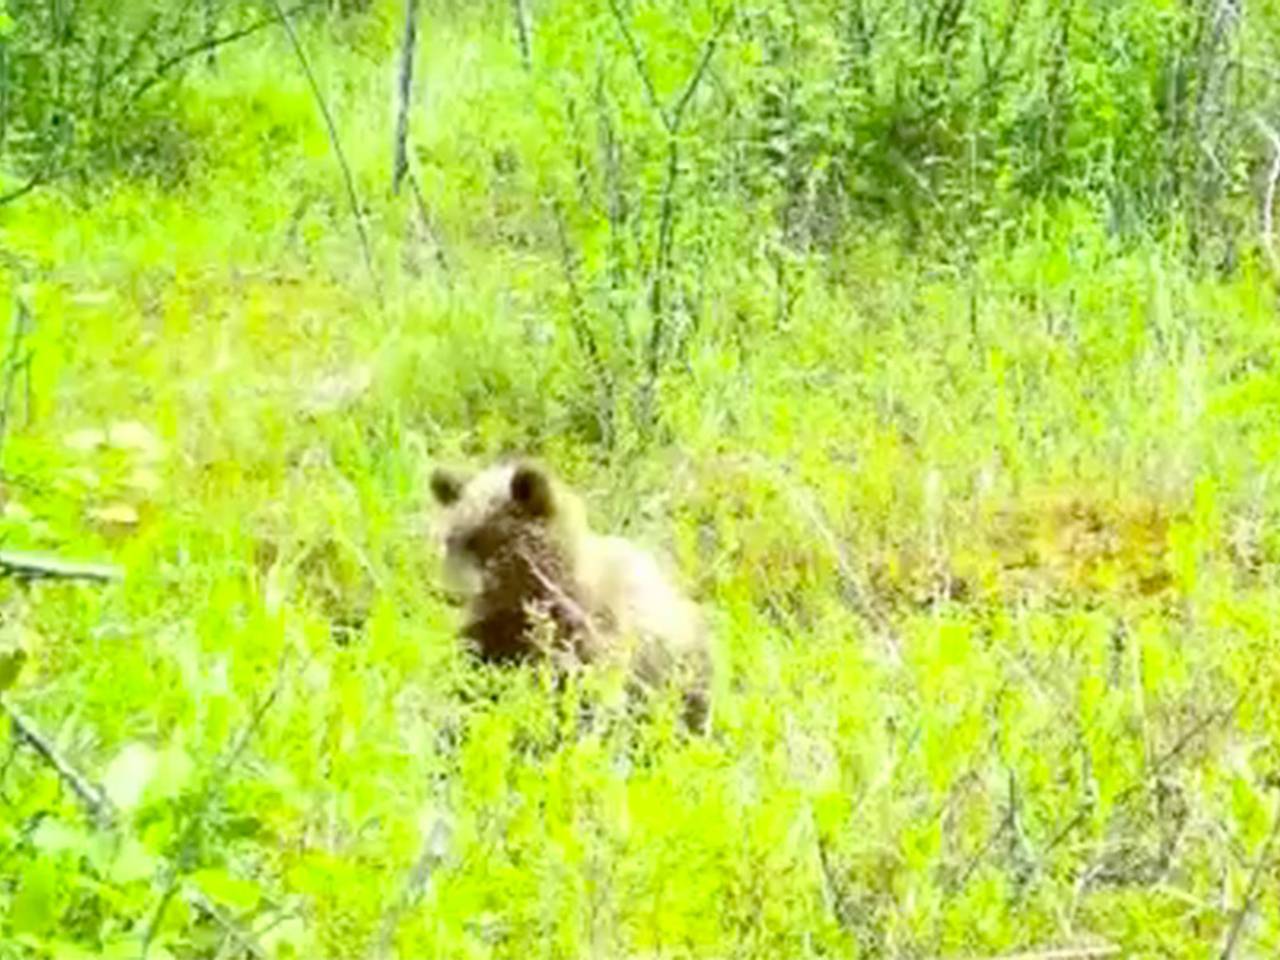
x,y
1251,894
17,193
332,127
207,45
404,93
695,79
1269,198
637,57
95,801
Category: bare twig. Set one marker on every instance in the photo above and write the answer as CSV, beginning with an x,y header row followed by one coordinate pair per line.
x,y
434,848
104,815
14,364
242,941
1269,199
332,128
428,224
186,842
26,566
572,611
524,32
637,56
207,45
672,118
90,795
404,89
695,80
37,179
210,28
1251,893
582,331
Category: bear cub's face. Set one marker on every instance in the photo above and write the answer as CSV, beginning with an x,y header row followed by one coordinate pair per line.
x,y
486,518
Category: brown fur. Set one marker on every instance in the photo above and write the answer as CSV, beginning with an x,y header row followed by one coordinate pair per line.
x,y
517,545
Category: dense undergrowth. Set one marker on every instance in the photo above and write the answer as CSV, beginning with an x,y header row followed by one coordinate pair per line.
x,y
940,350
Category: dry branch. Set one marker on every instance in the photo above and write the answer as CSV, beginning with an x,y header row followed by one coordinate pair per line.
x,y
208,45
186,842
404,89
18,193
524,32
332,128
1251,894
434,848
27,566
1269,198
90,795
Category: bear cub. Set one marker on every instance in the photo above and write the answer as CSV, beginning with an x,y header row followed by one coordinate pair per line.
x,y
518,550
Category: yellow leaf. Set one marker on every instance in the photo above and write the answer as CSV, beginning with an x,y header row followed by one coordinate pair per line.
x,y
118,514
85,441
13,510
136,438
144,480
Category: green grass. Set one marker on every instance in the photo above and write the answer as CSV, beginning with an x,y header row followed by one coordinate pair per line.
x,y
990,554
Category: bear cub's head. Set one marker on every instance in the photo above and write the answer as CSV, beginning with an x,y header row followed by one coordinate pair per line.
x,y
497,522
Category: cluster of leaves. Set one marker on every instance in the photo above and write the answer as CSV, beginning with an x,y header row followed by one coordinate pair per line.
x,y
673,137
75,79
954,116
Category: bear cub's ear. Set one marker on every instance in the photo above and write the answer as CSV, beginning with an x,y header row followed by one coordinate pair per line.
x,y
531,489
446,486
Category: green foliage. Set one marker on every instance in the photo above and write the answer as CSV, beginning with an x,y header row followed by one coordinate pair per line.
x,y
82,85
985,528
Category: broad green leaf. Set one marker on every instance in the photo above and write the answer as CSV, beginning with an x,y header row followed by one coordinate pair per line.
x,y
11,662
133,862
172,775
57,836
34,908
285,939
128,948
128,775
228,890
65,950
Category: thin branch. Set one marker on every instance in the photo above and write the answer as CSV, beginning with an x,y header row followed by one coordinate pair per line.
x,y
672,119
524,32
27,566
91,796
18,192
582,331
208,45
637,57
695,80
1251,894
1269,199
186,841
13,364
404,89
232,932
210,25
131,54
434,848
428,224
332,127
